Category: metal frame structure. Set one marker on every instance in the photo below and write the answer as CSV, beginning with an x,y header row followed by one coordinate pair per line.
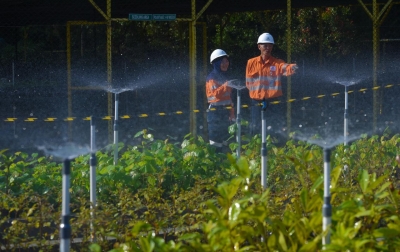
x,y
108,21
376,10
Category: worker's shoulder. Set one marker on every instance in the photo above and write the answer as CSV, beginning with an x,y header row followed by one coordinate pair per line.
x,y
277,60
254,59
212,76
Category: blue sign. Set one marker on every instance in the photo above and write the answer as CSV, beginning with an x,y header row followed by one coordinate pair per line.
x,y
152,17
140,17
164,17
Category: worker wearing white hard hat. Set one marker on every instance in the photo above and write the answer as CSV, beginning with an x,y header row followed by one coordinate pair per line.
x,y
263,77
219,97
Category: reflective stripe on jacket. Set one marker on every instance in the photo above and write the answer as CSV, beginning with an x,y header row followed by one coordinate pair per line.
x,y
263,79
218,93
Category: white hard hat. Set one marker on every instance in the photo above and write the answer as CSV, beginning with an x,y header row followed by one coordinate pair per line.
x,y
217,54
265,38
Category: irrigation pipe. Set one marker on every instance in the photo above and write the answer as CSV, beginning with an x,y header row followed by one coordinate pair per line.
x,y
116,130
327,208
238,124
346,127
264,145
92,175
65,228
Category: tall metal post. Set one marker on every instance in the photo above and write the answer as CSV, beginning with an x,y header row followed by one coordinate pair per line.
x,y
377,19
205,64
289,58
116,130
327,208
109,65
375,51
346,127
93,200
192,66
264,145
65,228
69,78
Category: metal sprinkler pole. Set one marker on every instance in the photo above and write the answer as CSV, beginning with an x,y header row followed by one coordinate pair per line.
x,y
327,208
65,228
238,124
116,130
264,145
346,95
92,173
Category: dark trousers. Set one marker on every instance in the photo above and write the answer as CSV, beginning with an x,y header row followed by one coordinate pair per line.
x,y
218,123
275,118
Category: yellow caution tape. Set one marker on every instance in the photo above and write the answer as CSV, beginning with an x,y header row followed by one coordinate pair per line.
x,y
68,119
11,119
30,119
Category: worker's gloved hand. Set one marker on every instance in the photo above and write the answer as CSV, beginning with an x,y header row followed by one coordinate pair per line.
x,y
294,68
231,83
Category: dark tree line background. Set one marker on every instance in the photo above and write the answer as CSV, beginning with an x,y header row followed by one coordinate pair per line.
x,y
346,34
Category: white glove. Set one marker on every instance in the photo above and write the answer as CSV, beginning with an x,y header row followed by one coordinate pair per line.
x,y
231,83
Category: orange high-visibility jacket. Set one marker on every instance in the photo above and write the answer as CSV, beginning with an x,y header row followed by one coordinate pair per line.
x,y
263,79
218,93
